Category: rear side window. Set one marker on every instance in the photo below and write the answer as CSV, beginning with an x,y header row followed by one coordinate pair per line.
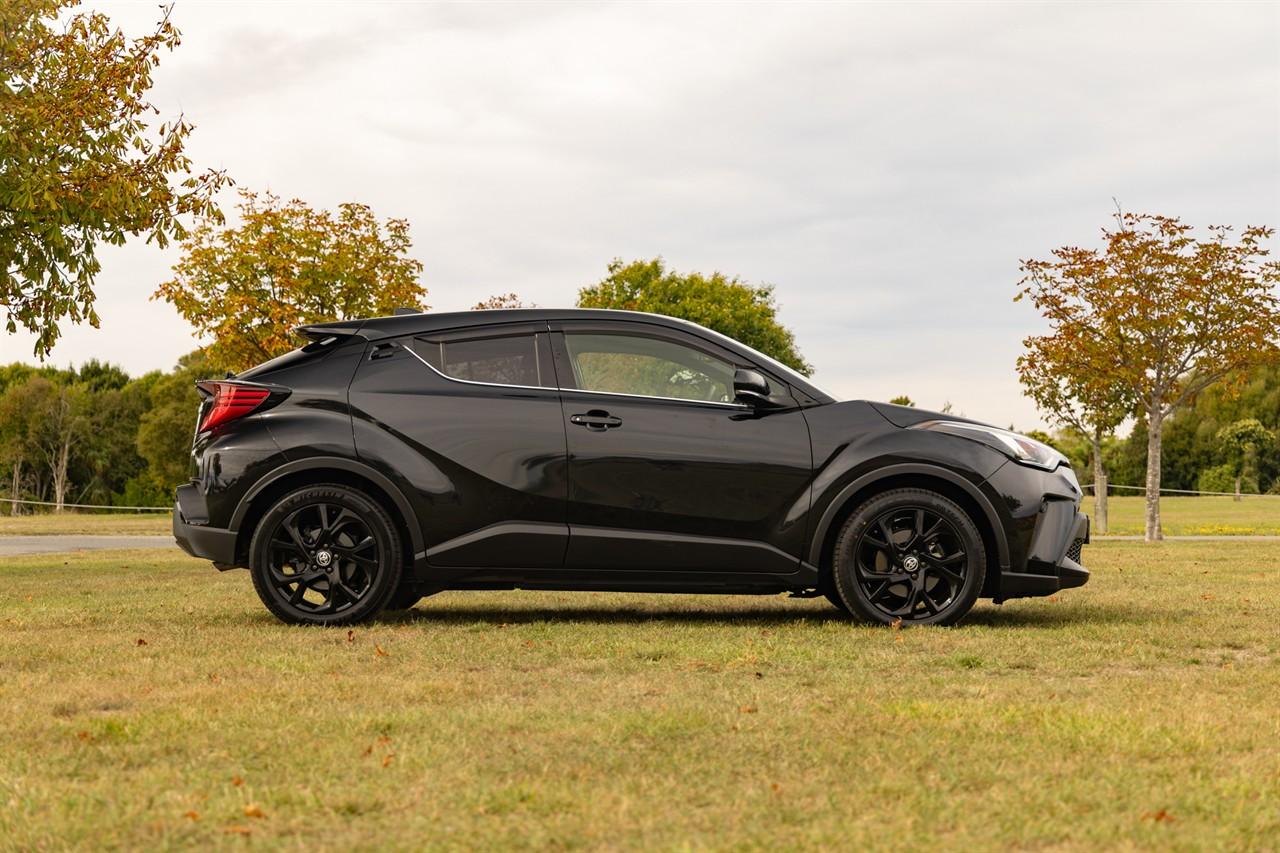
x,y
509,360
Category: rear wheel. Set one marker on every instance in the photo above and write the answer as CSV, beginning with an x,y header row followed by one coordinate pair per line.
x,y
325,555
910,555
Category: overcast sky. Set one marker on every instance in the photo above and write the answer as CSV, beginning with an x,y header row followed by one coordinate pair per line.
x,y
885,166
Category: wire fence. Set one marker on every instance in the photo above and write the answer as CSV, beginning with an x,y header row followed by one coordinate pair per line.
x,y
12,501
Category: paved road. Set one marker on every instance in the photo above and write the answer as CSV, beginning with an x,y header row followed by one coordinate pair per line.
x,y
13,545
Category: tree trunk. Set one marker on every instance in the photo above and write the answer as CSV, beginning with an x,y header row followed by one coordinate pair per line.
x,y
1155,435
15,486
60,475
1099,486
1237,497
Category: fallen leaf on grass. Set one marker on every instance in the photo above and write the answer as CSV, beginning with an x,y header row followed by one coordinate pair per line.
x,y
1208,596
896,624
84,736
191,815
368,750
380,651
748,709
759,675
1161,816
237,830
775,787
351,636
214,679
140,642
388,758
254,810
236,780
384,739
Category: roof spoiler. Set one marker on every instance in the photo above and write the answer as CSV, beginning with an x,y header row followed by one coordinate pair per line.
x,y
322,331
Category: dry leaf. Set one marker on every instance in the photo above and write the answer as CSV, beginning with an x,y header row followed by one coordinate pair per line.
x,y
379,651
368,750
236,780
192,815
141,642
84,736
351,636
237,830
896,624
777,789
1161,816
254,810
748,709
388,758
1208,596
214,679
384,739
759,675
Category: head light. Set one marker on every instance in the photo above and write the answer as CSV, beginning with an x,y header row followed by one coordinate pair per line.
x,y
1017,447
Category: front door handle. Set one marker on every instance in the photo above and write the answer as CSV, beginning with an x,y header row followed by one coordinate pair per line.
x,y
596,419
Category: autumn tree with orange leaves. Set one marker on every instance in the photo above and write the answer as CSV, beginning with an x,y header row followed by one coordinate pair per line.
x,y
286,265
82,160
1154,317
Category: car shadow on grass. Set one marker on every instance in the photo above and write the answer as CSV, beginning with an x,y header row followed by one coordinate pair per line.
x,y
1044,615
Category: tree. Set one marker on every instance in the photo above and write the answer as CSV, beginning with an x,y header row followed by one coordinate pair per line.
x,y
1240,442
1169,314
164,432
1071,379
501,300
286,265
60,412
730,306
903,400
18,424
80,163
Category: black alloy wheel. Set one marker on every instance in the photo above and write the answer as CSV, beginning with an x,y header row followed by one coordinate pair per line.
x,y
325,555
910,555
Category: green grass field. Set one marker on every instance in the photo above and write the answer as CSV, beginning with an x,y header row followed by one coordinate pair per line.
x,y
150,702
1180,515
1196,516
113,524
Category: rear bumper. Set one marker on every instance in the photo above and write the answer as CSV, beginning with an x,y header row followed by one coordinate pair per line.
x,y
196,538
1054,560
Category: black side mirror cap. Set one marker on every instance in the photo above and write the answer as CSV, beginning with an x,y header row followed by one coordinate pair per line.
x,y
750,387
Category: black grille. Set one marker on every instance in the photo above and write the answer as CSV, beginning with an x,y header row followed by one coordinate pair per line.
x,y
1073,552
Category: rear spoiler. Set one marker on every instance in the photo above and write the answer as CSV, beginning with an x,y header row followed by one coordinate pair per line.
x,y
317,332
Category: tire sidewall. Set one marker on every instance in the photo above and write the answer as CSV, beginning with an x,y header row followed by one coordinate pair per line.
x,y
381,527
843,571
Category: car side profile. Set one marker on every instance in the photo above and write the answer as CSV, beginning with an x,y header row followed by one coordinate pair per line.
x,y
396,457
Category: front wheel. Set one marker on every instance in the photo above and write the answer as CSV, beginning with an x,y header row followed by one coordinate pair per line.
x,y
910,555
325,555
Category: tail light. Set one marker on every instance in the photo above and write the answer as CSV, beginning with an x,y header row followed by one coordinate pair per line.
x,y
229,401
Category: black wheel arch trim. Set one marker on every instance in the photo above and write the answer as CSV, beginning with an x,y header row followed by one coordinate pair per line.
x,y
313,463
818,541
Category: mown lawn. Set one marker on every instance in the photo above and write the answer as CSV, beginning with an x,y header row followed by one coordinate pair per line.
x,y
151,702
105,524
1181,516
1196,516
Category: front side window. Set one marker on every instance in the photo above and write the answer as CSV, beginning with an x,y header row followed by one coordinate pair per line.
x,y
648,367
511,360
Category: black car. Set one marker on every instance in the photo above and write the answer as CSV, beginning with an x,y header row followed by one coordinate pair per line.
x,y
392,458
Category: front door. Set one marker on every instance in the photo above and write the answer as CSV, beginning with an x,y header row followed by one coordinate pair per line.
x,y
666,472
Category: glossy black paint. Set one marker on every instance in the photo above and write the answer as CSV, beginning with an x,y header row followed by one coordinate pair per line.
x,y
550,486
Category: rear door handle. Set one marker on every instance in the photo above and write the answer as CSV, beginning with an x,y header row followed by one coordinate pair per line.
x,y
596,419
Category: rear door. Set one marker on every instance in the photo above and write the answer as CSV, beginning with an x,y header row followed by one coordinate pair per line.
x,y
666,472
472,420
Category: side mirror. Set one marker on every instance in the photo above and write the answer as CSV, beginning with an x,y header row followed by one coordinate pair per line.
x,y
750,387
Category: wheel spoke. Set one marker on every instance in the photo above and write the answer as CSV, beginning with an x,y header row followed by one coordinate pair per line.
x,y
888,533
952,578
953,559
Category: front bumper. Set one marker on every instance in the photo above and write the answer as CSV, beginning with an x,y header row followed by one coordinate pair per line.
x,y
1053,560
196,538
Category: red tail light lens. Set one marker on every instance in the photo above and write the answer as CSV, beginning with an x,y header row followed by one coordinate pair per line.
x,y
230,401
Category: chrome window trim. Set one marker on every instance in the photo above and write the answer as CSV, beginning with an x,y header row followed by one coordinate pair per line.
x,y
445,376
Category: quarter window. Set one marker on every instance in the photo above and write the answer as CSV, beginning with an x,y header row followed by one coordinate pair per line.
x,y
511,360
648,367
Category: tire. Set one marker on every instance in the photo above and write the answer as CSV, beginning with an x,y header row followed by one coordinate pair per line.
x,y
910,555
325,555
